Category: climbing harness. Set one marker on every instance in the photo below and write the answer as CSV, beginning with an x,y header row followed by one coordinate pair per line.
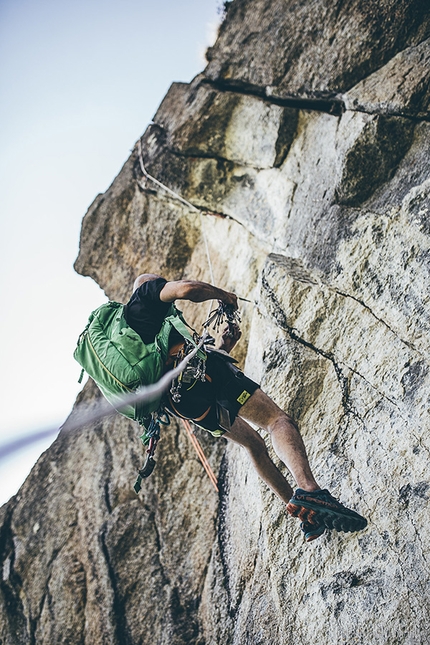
x,y
194,370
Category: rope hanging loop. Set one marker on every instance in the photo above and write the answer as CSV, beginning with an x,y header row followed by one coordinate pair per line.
x,y
175,195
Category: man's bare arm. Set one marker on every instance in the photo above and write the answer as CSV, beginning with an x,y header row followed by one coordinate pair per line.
x,y
196,292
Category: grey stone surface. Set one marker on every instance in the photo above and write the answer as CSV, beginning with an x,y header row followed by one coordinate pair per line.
x,y
316,48
320,217
402,86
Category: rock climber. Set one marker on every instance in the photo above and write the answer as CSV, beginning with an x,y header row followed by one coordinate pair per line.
x,y
242,401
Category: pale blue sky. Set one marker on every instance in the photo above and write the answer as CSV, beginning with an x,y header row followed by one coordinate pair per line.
x,y
79,82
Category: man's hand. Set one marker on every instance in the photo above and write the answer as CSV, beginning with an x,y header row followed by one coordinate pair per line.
x,y
230,336
229,299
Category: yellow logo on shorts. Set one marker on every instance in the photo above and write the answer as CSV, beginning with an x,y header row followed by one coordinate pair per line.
x,y
243,397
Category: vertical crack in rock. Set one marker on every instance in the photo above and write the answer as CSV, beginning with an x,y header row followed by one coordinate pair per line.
x,y
180,610
107,471
46,597
223,542
280,318
158,549
408,493
118,614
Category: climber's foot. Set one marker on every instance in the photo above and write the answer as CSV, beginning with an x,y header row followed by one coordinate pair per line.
x,y
319,508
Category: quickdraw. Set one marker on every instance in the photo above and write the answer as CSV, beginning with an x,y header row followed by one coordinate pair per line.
x,y
217,316
195,370
153,433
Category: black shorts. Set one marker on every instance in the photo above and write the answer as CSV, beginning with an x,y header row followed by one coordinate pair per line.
x,y
225,386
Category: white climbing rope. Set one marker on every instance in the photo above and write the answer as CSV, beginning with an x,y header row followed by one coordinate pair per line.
x,y
201,212
184,201
144,394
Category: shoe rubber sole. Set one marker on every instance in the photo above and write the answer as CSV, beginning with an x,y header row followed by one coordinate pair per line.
x,y
311,531
339,519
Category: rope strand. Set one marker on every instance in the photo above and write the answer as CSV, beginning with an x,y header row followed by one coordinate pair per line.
x,y
184,201
199,450
158,183
144,394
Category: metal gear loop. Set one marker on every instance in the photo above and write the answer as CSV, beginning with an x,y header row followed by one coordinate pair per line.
x,y
195,370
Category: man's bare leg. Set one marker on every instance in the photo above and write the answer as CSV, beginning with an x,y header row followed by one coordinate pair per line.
x,y
243,434
286,440
316,510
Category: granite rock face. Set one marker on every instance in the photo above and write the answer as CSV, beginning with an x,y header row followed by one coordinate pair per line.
x,y
305,147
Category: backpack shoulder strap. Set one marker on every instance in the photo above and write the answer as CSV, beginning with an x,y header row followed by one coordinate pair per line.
x,y
177,321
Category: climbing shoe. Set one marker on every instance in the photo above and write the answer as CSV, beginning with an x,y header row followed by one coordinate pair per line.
x,y
320,508
312,531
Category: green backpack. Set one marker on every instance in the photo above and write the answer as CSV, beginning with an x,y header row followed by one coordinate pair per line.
x,y
118,360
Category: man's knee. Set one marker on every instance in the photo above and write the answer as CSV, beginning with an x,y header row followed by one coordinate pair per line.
x,y
257,443
285,418
262,411
246,436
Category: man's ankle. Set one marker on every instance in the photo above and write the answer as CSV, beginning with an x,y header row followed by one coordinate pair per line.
x,y
310,488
